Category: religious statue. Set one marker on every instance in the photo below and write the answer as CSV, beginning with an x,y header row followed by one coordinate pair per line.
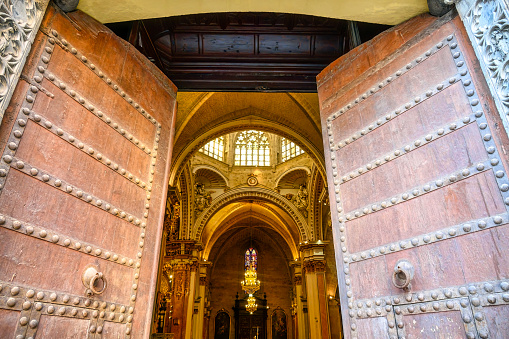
x,y
300,200
202,199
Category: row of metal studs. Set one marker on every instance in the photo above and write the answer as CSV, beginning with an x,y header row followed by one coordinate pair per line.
x,y
136,275
62,240
431,186
68,311
419,142
134,287
9,152
391,78
399,111
64,135
16,293
471,226
472,289
68,47
484,129
73,191
116,126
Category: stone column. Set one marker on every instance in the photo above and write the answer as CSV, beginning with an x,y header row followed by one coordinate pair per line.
x,y
206,322
300,321
200,300
314,269
183,297
190,300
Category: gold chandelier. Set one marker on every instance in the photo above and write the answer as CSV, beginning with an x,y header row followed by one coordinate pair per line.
x,y
251,305
250,285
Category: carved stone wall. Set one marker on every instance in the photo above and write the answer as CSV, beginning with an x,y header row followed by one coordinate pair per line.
x,y
19,22
487,24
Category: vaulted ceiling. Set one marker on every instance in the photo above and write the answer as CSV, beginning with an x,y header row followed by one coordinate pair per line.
x,y
389,12
203,116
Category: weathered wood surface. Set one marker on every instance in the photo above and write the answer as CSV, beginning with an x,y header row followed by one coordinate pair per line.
x,y
86,143
416,164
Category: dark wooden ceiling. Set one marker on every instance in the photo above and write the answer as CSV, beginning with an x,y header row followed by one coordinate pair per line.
x,y
241,51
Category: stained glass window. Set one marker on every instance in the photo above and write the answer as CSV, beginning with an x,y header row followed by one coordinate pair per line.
x,y
252,149
289,150
214,148
250,258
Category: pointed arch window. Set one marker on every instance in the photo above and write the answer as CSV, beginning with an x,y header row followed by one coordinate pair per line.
x,y
289,150
250,259
214,148
252,148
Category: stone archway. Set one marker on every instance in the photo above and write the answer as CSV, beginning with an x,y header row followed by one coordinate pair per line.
x,y
242,193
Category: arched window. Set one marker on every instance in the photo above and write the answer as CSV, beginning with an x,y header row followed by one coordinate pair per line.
x,y
214,149
252,149
250,259
289,150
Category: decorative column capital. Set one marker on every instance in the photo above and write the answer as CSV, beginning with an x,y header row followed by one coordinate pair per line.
x,y
314,266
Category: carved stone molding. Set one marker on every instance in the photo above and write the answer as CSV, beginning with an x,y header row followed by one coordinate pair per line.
x,y
256,193
19,22
487,24
313,266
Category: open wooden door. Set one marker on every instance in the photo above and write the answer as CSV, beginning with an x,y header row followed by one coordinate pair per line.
x,y
86,145
417,167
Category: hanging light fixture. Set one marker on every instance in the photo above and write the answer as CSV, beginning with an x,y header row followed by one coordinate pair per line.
x,y
250,284
251,305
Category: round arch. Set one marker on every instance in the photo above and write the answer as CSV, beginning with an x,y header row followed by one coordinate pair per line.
x,y
260,193
213,169
302,168
249,122
266,221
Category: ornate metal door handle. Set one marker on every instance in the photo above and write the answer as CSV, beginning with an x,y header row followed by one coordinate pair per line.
x,y
403,274
93,280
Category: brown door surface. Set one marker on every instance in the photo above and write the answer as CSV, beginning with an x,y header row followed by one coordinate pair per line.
x,y
85,149
416,164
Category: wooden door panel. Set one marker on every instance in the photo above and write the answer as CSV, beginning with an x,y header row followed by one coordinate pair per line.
x,y
105,96
86,144
119,237
378,101
387,137
76,120
8,319
434,211
407,171
435,320
412,150
53,327
374,328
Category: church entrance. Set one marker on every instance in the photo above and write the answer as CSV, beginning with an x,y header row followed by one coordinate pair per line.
x,y
385,196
